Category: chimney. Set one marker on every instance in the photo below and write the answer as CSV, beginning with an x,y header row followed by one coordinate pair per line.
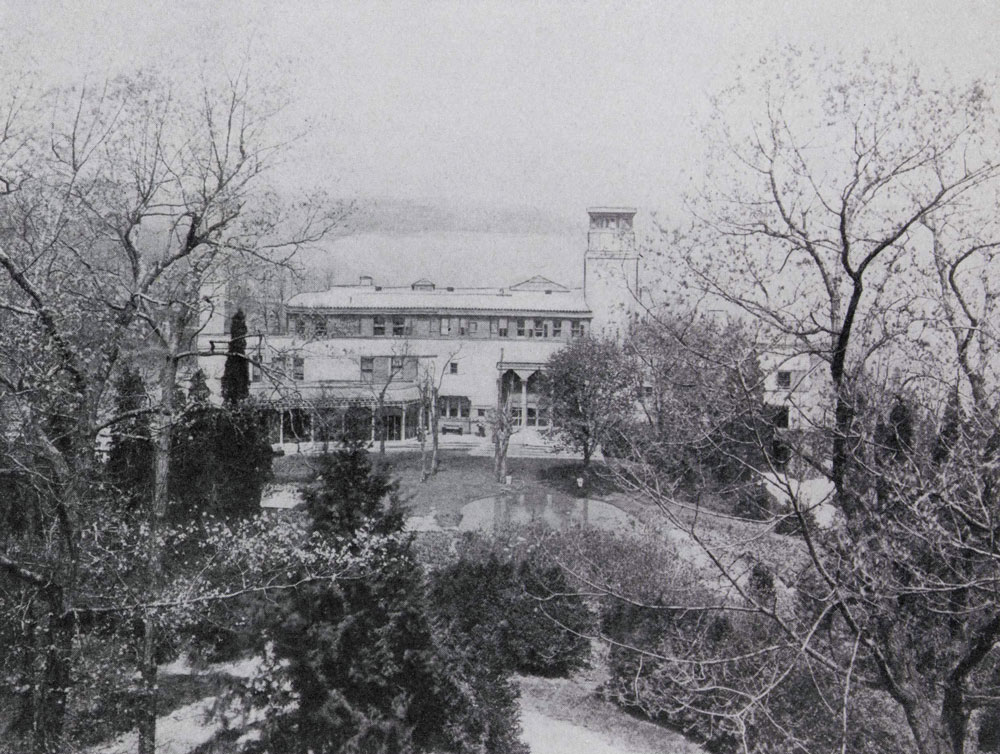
x,y
366,280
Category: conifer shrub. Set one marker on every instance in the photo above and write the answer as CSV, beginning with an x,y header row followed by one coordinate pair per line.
x,y
524,613
367,664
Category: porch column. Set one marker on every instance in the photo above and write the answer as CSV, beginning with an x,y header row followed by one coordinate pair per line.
x,y
524,403
402,429
281,426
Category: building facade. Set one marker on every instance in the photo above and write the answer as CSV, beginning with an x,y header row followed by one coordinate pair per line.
x,y
343,356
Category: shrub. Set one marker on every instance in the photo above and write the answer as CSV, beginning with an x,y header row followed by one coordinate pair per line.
x,y
524,615
726,677
789,522
753,502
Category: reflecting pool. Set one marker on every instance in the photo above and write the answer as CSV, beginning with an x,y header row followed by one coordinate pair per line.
x,y
492,514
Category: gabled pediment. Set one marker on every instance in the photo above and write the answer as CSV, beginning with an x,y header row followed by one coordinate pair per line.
x,y
538,283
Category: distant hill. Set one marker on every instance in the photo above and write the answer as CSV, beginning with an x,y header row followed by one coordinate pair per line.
x,y
376,215
450,257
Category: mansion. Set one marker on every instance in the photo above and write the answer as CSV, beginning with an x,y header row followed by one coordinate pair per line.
x,y
332,358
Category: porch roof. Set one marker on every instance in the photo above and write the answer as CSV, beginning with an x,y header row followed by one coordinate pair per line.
x,y
339,395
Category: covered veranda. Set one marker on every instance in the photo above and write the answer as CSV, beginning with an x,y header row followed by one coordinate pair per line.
x,y
333,413
522,388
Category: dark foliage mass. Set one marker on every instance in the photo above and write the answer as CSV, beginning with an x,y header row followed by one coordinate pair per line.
x,y
353,493
524,615
236,375
220,458
130,457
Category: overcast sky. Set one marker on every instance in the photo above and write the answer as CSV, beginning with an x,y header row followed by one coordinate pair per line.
x,y
556,106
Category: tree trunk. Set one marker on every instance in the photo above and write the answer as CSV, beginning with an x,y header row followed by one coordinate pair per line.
x,y
47,706
154,556
381,429
424,473
929,731
434,431
500,456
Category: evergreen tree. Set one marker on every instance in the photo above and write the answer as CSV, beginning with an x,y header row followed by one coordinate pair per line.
x,y
196,476
369,669
236,376
221,457
242,459
130,458
198,391
353,493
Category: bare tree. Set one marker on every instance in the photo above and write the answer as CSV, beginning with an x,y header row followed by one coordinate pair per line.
x,y
131,196
501,422
847,232
430,390
813,222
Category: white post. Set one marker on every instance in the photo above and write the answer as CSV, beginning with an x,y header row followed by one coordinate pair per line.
x,y
524,403
402,429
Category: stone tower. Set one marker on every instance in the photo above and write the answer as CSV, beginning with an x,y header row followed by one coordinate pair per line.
x,y
611,270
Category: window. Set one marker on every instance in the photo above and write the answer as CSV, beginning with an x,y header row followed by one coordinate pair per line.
x,y
367,370
473,327
396,365
453,408
784,380
480,412
577,331
298,324
254,371
541,329
557,328
321,327
453,367
398,327
520,328
464,406
278,364
378,325
298,368
502,327
445,326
